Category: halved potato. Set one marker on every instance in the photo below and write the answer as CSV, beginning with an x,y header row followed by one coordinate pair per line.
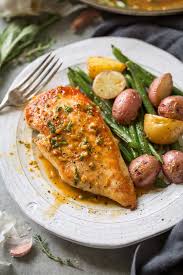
x,y
160,88
109,84
162,130
98,64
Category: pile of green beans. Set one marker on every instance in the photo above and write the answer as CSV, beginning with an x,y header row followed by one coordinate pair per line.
x,y
133,141
133,138
145,76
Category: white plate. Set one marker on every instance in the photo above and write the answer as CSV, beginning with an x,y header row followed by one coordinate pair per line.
x,y
95,226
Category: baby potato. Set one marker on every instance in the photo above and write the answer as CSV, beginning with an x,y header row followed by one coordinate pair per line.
x,y
109,84
171,107
98,64
162,130
173,166
144,170
160,88
126,106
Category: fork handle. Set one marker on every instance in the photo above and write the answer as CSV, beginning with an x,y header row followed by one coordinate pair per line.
x,y
4,104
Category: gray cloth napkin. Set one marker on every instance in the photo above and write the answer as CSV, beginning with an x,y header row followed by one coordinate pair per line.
x,y
163,32
162,255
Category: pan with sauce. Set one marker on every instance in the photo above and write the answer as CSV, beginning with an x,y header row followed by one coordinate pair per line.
x,y
142,5
155,4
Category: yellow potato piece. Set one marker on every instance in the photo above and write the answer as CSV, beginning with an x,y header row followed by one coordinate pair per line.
x,y
109,84
162,130
98,64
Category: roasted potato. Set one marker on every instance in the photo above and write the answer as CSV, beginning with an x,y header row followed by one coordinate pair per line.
x,y
98,64
144,170
162,130
126,106
171,107
173,166
160,88
109,84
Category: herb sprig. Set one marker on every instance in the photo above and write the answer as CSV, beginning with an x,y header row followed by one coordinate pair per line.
x,y
20,39
43,245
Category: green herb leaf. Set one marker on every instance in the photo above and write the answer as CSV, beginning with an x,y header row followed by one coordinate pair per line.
x,y
59,108
68,109
57,143
51,126
68,127
18,36
89,109
43,245
99,140
76,176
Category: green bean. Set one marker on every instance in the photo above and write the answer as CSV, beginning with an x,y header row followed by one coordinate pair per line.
x,y
126,153
145,76
155,153
140,133
176,146
134,152
140,89
71,79
133,134
85,76
144,145
103,104
118,54
160,183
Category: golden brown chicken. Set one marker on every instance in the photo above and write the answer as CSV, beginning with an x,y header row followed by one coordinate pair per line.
x,y
76,140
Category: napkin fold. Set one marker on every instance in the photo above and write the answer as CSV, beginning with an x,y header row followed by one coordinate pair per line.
x,y
161,255
163,32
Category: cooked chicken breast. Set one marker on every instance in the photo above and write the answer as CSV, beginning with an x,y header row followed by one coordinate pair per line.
x,y
76,140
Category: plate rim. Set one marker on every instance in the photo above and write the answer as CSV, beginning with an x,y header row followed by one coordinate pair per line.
x,y
89,244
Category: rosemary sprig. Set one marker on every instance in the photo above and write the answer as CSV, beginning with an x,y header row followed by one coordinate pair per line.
x,y
43,245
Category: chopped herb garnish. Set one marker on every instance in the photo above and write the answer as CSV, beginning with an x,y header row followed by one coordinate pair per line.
x,y
59,108
99,140
89,109
68,109
81,157
68,127
51,126
56,143
84,141
76,176
63,142
89,149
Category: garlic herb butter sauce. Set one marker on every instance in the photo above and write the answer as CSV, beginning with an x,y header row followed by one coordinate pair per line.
x,y
67,191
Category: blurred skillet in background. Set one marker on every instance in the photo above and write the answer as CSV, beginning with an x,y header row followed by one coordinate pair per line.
x,y
138,7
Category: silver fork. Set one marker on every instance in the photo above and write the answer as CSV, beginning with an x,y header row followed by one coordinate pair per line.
x,y
33,83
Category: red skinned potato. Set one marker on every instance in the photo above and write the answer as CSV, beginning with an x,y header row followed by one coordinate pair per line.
x,y
160,88
126,106
144,170
171,107
173,166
